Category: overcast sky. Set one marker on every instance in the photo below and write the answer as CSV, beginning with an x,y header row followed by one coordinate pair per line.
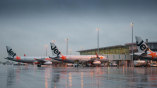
x,y
29,25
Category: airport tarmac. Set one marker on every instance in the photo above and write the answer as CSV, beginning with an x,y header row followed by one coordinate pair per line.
x,y
77,77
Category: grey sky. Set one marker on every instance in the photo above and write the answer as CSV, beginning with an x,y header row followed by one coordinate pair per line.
x,y
28,25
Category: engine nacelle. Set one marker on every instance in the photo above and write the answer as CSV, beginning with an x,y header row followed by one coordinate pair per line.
x,y
139,63
48,63
96,62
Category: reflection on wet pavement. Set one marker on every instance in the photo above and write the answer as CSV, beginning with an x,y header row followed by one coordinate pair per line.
x,y
71,77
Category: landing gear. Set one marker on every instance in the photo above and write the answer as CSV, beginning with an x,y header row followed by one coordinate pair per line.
x,y
76,63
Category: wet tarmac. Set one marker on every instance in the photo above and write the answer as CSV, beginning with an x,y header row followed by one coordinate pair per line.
x,y
81,77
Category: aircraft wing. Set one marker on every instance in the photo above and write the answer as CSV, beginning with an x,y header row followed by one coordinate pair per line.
x,y
60,59
40,60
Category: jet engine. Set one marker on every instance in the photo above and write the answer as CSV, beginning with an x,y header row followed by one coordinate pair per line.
x,y
47,63
96,62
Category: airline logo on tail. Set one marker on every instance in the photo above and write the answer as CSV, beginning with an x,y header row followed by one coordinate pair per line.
x,y
141,44
55,50
10,52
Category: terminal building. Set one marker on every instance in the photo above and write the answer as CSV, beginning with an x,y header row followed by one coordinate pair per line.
x,y
119,54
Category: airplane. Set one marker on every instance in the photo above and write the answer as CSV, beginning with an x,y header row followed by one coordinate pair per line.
x,y
76,59
143,50
33,60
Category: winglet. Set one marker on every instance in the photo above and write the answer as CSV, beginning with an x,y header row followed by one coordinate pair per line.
x,y
97,55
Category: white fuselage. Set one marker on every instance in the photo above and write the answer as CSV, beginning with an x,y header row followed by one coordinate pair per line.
x,y
30,59
80,58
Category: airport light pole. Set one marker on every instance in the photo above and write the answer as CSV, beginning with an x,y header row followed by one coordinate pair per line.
x,y
66,45
70,51
132,43
97,39
46,46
